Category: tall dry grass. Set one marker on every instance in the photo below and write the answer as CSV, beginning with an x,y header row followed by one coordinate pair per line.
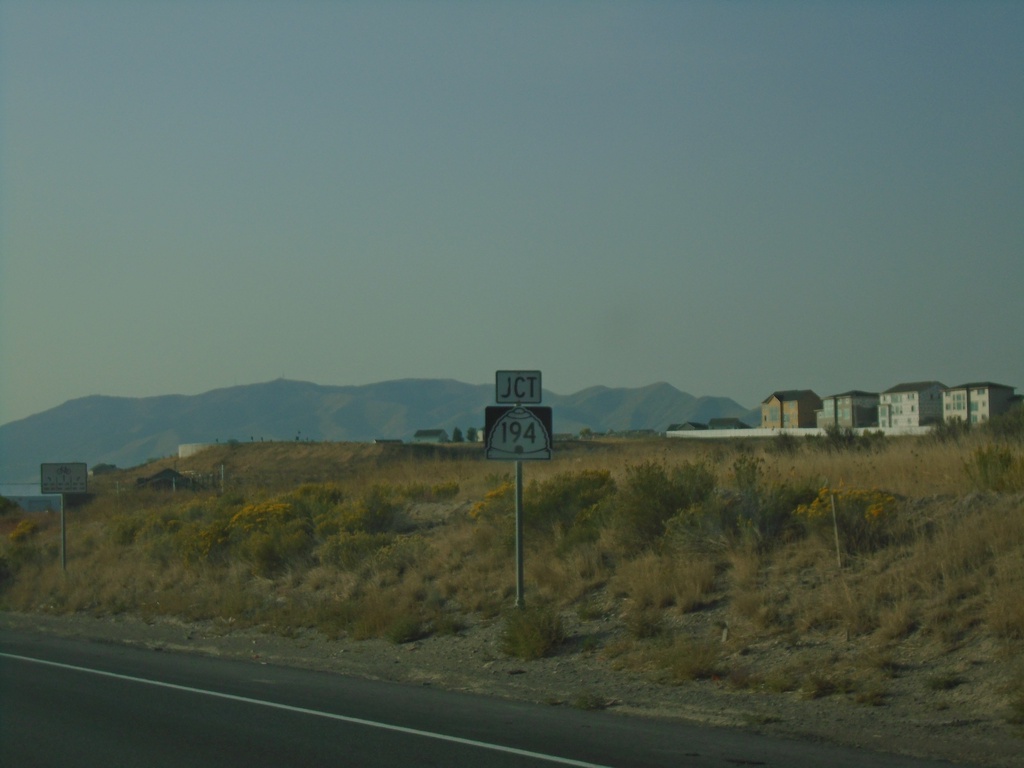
x,y
695,550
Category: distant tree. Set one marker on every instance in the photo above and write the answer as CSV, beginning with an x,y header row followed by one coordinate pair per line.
x,y
472,435
457,435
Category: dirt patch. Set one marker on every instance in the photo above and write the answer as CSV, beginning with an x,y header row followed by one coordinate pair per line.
x,y
954,708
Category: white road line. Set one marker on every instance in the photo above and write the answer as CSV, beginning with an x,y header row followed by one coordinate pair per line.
x,y
314,712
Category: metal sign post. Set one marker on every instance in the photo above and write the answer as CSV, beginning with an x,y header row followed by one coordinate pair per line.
x,y
69,477
517,433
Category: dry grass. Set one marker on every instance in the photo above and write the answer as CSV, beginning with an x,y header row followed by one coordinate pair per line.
x,y
336,557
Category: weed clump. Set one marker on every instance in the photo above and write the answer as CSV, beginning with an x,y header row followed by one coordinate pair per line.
x,y
532,633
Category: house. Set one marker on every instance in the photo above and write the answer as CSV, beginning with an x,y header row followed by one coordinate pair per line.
x,y
686,426
850,409
727,423
912,404
977,402
166,480
790,408
430,436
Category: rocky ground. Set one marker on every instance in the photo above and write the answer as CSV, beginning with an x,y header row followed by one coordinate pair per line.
x,y
967,723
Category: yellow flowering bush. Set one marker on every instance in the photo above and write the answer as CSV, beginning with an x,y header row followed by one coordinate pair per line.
x,y
201,542
24,530
497,501
270,535
861,515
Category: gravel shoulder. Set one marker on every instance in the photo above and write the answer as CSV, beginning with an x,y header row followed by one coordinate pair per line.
x,y
966,724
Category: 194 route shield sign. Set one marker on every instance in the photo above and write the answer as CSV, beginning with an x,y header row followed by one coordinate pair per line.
x,y
517,433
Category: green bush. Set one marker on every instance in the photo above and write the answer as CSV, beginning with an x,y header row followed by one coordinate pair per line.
x,y
376,512
348,550
428,493
651,496
567,502
532,633
996,468
1007,426
317,499
864,517
271,535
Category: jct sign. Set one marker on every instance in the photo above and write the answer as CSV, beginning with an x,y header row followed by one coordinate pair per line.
x,y
517,387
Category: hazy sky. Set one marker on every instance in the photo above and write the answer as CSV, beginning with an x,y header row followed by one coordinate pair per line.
x,y
733,197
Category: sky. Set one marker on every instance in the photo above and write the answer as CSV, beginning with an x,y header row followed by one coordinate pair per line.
x,y
731,197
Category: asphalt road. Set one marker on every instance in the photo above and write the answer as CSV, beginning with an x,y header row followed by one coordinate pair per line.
x,y
74,703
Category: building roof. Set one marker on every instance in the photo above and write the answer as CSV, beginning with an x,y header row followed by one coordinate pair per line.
x,y
980,384
914,386
855,393
789,394
686,426
727,423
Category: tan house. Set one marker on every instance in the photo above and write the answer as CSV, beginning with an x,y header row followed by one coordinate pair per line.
x,y
913,404
851,409
977,402
790,408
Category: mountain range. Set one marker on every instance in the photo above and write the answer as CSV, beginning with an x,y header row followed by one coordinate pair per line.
x,y
127,431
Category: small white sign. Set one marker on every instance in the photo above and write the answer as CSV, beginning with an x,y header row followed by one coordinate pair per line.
x,y
69,477
517,387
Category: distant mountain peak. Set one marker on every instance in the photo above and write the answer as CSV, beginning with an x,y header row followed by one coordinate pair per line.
x,y
127,431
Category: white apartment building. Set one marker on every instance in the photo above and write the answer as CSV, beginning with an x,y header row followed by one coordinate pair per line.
x,y
976,402
914,404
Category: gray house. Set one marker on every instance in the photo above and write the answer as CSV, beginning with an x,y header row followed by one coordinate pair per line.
x,y
430,436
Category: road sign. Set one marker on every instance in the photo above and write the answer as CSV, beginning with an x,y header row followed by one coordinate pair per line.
x,y
69,477
516,433
517,387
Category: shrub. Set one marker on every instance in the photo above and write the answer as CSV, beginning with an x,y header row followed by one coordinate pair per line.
x,y
1007,426
650,497
271,535
950,431
203,542
350,549
996,468
496,514
532,633
756,513
862,516
23,531
567,502
688,659
405,629
316,499
376,512
498,502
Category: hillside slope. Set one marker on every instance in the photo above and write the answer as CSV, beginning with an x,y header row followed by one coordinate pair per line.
x,y
128,431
